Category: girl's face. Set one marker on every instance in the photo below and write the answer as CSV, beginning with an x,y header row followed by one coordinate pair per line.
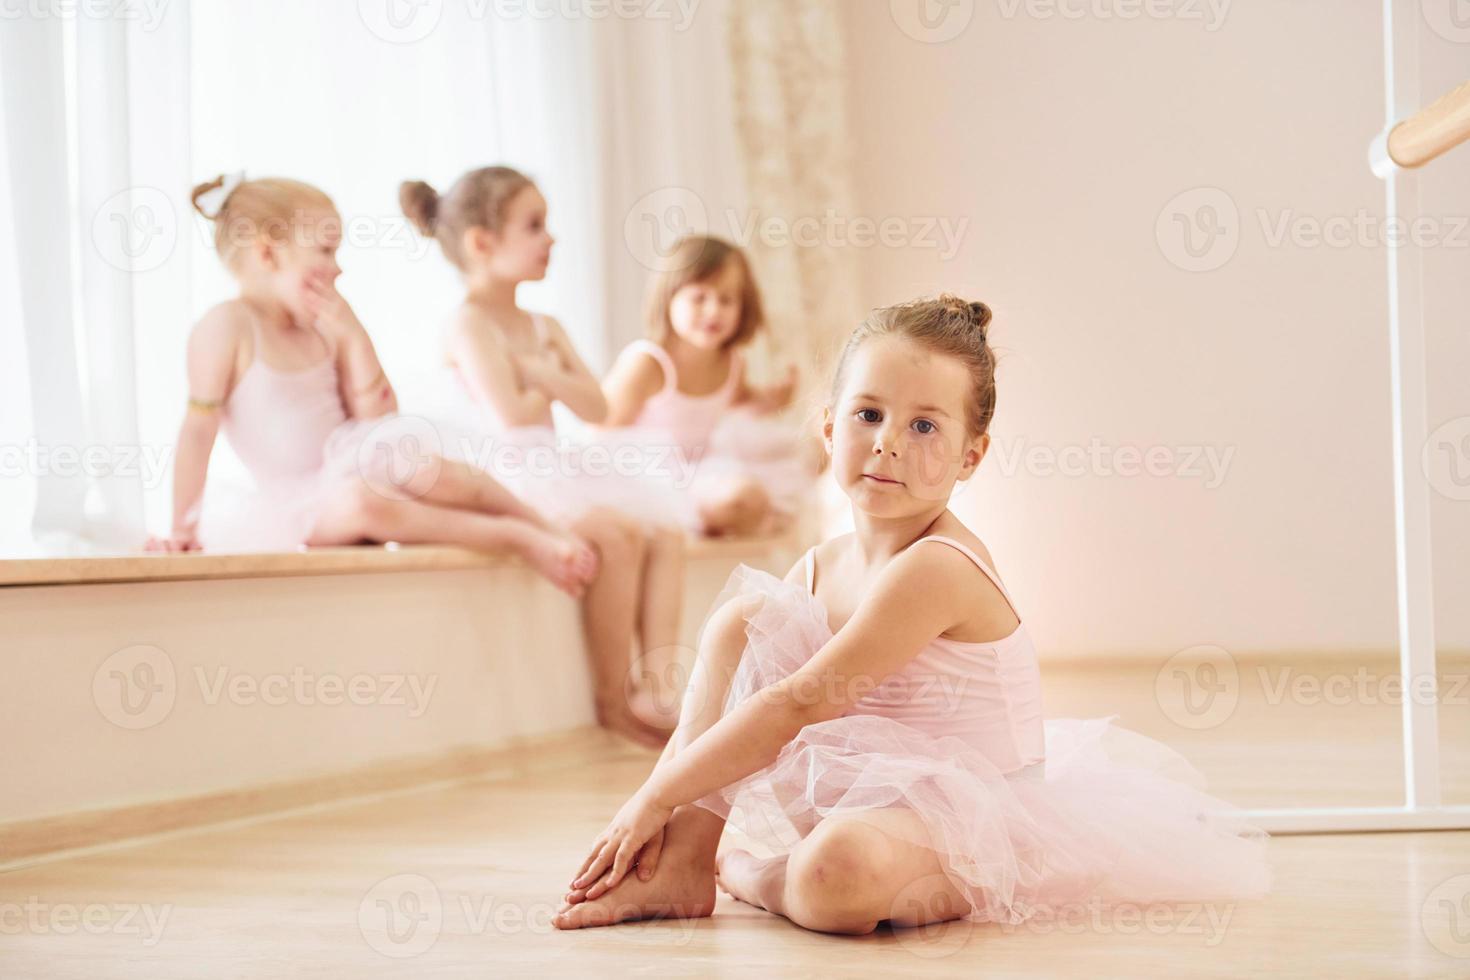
x,y
307,253
706,314
897,432
521,250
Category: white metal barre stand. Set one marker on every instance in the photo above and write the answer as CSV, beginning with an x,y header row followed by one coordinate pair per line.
x,y
1421,136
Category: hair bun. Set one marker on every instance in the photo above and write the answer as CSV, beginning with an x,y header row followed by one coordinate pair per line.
x,y
980,316
975,313
420,203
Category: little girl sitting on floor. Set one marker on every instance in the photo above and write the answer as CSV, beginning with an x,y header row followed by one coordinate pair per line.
x,y
874,719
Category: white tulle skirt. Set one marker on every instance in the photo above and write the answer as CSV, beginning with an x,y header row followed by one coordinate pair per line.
x,y
564,477
1110,817
270,512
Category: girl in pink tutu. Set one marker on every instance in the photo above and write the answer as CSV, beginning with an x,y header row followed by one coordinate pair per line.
x,y
510,365
287,371
685,383
873,720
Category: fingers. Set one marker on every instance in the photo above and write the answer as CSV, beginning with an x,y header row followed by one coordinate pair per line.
x,y
648,857
597,867
621,863
621,860
596,847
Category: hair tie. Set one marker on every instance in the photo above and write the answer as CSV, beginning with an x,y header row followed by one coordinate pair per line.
x,y
212,202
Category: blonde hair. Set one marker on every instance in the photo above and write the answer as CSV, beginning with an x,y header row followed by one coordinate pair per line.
x,y
266,207
477,200
699,258
948,326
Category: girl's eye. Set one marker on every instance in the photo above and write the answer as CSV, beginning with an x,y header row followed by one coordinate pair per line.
x,y
924,426
869,415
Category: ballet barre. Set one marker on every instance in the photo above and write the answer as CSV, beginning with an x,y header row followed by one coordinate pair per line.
x,y
1412,137
1431,132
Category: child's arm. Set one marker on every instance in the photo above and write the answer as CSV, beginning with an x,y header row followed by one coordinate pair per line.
x,y
921,594
769,398
363,384
796,575
492,374
565,377
211,353
635,377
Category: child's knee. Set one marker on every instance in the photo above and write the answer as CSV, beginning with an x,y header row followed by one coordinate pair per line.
x,y
666,541
618,538
836,878
367,510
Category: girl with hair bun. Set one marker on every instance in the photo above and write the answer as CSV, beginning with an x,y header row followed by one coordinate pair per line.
x,y
874,719
511,365
286,370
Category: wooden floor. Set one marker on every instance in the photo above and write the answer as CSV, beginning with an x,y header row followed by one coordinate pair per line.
x,y
460,879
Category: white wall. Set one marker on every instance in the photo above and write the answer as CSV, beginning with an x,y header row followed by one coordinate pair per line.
x,y
1061,141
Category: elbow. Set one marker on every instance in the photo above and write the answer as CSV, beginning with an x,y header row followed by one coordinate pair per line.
x,y
803,704
198,431
597,410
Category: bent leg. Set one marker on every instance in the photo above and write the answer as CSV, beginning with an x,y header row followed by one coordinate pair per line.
x,y
359,513
655,685
853,872
737,507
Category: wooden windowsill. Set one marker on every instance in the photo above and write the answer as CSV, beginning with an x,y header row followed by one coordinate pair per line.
x,y
316,561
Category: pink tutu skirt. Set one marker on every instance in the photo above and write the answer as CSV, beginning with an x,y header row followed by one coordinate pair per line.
x,y
763,448
278,512
1110,817
744,445
565,478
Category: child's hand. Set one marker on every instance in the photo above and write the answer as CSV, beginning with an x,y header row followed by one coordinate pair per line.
x,y
328,309
178,541
777,396
537,368
636,823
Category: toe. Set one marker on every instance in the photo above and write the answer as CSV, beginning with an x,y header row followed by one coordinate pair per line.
x,y
582,915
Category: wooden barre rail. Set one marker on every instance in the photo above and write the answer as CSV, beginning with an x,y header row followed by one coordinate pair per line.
x,y
1432,131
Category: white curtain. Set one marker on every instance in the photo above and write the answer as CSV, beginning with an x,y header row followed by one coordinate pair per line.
x,y
45,428
110,121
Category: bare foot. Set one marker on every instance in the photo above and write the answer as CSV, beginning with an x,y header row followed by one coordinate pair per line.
x,y
658,709
681,888
618,717
755,881
567,561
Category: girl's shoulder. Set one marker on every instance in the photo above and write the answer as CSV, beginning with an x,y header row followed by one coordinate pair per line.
x,y
953,528
223,326
643,364
832,549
